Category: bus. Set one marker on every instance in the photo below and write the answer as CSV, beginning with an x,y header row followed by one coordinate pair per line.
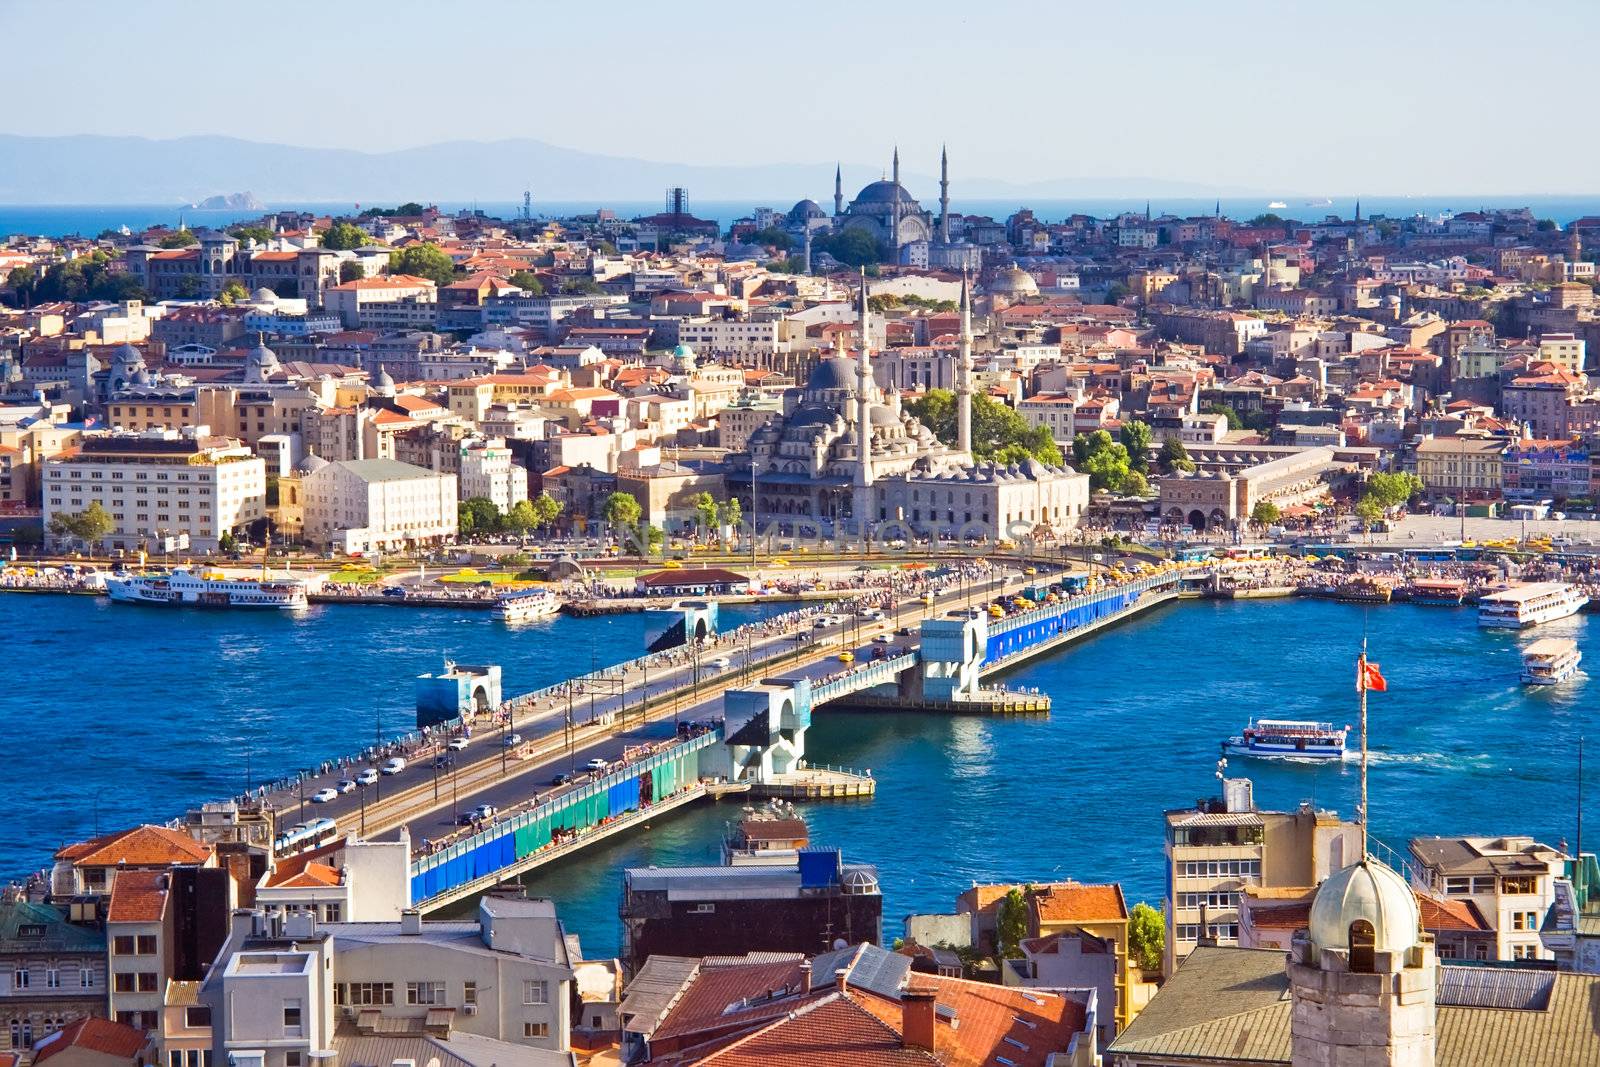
x,y
304,836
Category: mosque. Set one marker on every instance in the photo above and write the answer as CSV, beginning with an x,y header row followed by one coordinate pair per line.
x,y
847,453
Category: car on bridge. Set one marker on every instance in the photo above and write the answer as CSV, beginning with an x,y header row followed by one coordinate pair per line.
x,y
512,740
597,764
345,785
457,744
367,777
393,765
322,796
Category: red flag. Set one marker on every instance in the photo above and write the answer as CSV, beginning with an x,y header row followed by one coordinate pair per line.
x,y
1368,677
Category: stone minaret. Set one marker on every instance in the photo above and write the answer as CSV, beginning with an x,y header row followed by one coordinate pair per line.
x,y
864,415
838,189
964,372
944,196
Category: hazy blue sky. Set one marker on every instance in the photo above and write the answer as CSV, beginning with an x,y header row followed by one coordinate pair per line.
x,y
1397,96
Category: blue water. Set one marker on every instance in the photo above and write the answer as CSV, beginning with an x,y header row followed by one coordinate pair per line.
x,y
146,713
119,714
58,220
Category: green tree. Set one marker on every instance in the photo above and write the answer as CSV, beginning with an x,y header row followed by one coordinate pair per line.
x,y
546,509
1265,513
1136,437
351,270
1175,457
89,526
1134,483
1393,490
188,287
621,509
226,543
233,292
732,512
1369,511
772,237
178,239
654,536
581,287
995,428
1269,219
1105,461
424,261
528,282
853,246
259,234
705,512
1115,292
1147,936
485,517
464,519
1011,924
787,265
1547,225
345,235
1225,410
22,281
522,518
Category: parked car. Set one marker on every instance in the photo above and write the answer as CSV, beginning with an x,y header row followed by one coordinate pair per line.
x,y
561,779
598,764
393,765
457,744
367,777
322,796
393,590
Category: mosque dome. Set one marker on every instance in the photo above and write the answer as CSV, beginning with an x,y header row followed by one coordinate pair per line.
x,y
804,210
882,416
127,356
263,295
684,356
311,463
836,373
885,192
1014,281
260,363
1367,891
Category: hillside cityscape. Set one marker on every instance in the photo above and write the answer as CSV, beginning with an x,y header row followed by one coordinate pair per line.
x,y
1011,620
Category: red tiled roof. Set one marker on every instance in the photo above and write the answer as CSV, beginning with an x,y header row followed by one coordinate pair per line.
x,y
138,897
97,1035
835,1030
142,846
1069,902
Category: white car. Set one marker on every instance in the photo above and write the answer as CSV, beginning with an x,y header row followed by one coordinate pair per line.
x,y
457,744
883,639
720,663
322,796
512,740
367,777
393,765
346,786
597,764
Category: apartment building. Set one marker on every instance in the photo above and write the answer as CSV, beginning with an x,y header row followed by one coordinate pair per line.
x,y
1511,880
1225,844
488,470
139,939
159,484
387,302
52,970
363,505
1460,467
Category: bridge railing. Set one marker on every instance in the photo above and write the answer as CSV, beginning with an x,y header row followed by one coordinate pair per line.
x,y
1077,600
876,672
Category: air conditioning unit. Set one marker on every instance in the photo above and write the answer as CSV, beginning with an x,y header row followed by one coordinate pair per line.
x,y
469,1009
349,1012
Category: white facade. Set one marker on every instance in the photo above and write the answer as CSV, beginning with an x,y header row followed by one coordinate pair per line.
x,y
487,471
378,504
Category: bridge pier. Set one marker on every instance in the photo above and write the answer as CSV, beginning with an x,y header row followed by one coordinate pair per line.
x,y
951,659
459,691
763,730
693,619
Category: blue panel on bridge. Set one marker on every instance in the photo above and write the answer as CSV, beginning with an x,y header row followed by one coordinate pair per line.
x,y
1052,623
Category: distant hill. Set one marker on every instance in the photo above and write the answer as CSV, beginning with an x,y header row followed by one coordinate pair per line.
x,y
136,170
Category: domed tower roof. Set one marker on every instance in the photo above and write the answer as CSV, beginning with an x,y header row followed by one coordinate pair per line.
x,y
885,192
263,295
1367,891
836,373
804,210
684,356
261,363
128,357
1014,281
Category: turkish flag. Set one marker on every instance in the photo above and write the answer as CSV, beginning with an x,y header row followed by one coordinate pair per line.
x,y
1368,677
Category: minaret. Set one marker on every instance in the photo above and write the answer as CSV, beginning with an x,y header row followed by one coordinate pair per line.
x,y
838,189
944,195
964,371
897,164
864,415
894,208
808,250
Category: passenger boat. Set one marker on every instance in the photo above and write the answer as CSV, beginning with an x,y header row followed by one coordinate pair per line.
x,y
1362,591
1444,592
1289,739
181,588
1550,660
1529,605
526,605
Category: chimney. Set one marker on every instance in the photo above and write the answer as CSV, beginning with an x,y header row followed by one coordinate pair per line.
x,y
841,977
411,922
916,1018
805,976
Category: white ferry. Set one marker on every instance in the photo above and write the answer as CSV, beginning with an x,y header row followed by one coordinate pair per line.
x,y
184,589
1550,660
1289,739
526,605
1530,605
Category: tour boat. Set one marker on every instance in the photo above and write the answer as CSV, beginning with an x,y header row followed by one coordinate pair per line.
x,y
1289,739
1550,660
1362,591
185,589
1446,592
1529,605
526,605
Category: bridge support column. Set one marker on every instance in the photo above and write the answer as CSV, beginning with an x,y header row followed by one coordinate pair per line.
x,y
763,730
688,619
952,651
458,691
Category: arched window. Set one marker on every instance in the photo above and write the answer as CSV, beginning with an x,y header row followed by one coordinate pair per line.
x,y
1363,948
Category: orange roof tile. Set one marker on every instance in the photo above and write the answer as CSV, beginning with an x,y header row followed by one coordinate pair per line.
x,y
138,897
97,1035
1070,902
142,846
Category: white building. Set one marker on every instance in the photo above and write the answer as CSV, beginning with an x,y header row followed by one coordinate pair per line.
x,y
487,471
363,505
390,302
349,880
159,485
1511,881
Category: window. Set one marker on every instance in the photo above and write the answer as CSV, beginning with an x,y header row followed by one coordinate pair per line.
x,y
1520,883
703,909
196,1016
175,1058
1363,947
122,945
291,1018
1447,951
147,981
30,931
1457,886
535,1029
123,983
19,978
330,913
372,993
425,993
1483,883
291,1058
469,993
535,991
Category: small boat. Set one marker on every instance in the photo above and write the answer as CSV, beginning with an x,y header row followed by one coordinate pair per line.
x,y
1289,739
1550,660
1362,591
181,588
1522,606
1442,592
526,605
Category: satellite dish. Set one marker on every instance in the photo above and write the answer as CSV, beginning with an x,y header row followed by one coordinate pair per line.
x,y
840,942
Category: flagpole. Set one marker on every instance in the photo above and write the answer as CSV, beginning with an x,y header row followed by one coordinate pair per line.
x,y
1361,685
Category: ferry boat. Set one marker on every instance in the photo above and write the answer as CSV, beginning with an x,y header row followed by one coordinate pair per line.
x,y
1444,592
1529,605
526,605
1550,660
1362,591
182,588
1289,739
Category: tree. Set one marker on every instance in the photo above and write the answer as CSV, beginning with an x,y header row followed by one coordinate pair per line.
x,y
732,513
705,512
424,261
1265,513
179,239
1234,421
621,509
546,509
581,287
259,234
351,270
227,543
772,237
1269,219
1105,461
852,246
1136,437
528,282
22,280
233,292
1134,483
1115,292
996,428
522,518
1011,924
89,525
1547,225
464,519
1147,936
484,517
1369,511
1175,457
345,235
1393,490
188,287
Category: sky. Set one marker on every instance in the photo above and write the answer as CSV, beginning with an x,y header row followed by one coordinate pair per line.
x,y
1293,96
